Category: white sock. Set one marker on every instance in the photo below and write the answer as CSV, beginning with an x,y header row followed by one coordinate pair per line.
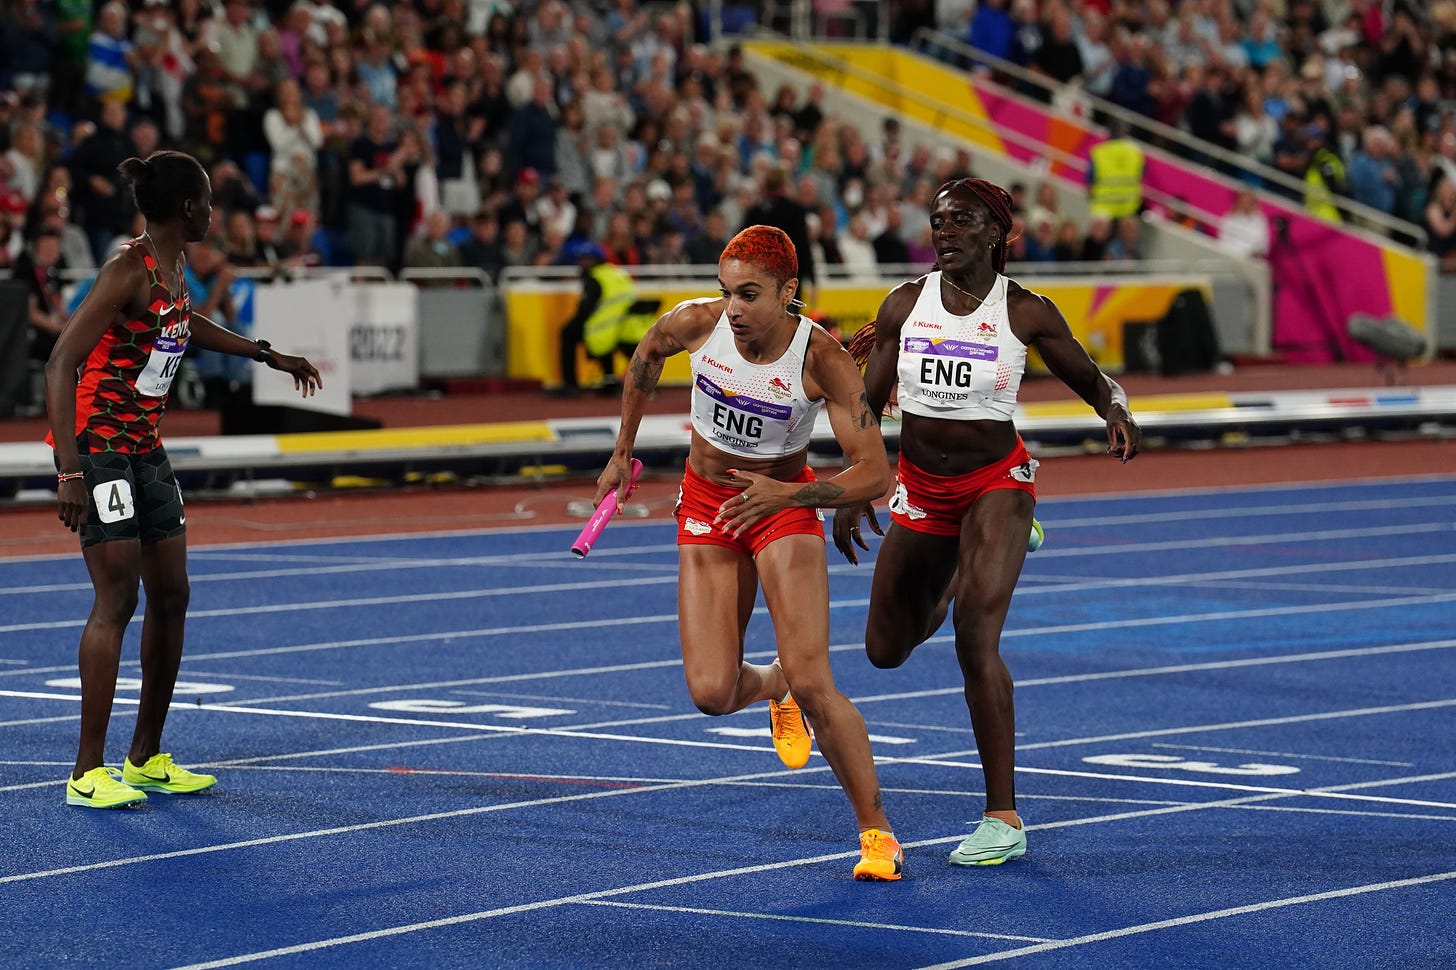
x,y
787,693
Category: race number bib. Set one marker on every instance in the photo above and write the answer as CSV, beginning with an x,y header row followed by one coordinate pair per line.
x,y
113,500
156,378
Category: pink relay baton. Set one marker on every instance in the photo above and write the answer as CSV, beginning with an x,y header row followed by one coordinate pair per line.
x,y
602,516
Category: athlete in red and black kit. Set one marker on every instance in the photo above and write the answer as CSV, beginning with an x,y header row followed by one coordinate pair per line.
x,y
106,388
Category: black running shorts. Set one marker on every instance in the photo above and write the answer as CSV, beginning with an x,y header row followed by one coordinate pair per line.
x,y
131,497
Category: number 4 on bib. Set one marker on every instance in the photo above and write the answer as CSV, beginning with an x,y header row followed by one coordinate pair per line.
x,y
113,501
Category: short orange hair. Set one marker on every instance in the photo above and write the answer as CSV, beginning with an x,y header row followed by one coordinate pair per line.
x,y
766,247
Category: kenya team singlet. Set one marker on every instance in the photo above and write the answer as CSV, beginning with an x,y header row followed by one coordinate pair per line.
x,y
123,387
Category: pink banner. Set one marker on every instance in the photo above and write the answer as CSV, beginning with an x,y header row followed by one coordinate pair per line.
x,y
1322,275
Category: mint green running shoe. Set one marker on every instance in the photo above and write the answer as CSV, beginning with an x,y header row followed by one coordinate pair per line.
x,y
1038,536
992,843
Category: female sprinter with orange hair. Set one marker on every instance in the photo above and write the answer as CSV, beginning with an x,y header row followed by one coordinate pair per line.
x,y
748,509
952,344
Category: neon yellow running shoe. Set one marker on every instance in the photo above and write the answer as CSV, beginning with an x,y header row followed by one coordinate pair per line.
x,y
98,788
881,859
162,774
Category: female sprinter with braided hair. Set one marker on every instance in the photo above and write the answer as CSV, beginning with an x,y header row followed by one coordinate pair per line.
x,y
953,345
748,509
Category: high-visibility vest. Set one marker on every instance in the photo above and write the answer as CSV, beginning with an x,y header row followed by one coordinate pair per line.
x,y
604,326
636,325
1117,179
1319,199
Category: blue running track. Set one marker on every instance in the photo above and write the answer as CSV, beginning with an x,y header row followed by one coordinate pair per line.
x,y
1237,716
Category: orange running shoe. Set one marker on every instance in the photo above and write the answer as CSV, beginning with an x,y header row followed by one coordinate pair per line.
x,y
881,859
791,736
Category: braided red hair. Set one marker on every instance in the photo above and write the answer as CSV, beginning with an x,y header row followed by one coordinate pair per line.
x,y
862,343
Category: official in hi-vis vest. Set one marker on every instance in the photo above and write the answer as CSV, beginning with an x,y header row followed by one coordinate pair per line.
x,y
1116,175
607,295
1325,176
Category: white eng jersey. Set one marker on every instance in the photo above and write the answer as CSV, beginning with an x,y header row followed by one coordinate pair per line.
x,y
752,410
963,368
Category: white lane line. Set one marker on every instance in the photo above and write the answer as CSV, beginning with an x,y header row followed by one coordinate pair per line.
x,y
1394,602
942,761
1125,673
730,779
41,720
1321,509
1241,725
1361,589
460,920
1202,578
1222,786
348,565
834,786
1195,918
228,674
273,542
851,923
1384,815
552,588
572,672
418,819
1243,542
405,772
1079,678
966,730
335,565
1221,492
351,604
389,641
665,883
1286,754
410,722
559,699
351,749
1079,586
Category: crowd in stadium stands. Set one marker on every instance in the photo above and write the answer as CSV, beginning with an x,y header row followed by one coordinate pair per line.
x,y
1358,96
488,134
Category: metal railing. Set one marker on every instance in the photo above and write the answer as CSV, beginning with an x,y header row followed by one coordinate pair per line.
x,y
892,272
864,20
436,274
1156,133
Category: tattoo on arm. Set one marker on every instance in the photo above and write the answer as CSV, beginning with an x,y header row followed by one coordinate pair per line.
x,y
864,415
644,374
817,495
